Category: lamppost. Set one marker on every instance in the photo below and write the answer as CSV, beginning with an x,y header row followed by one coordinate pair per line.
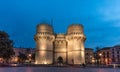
x,y
91,59
100,58
29,57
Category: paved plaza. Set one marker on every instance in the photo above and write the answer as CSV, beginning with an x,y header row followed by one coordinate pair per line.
x,y
57,69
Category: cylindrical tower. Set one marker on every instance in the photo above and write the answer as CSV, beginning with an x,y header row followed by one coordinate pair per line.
x,y
44,44
75,38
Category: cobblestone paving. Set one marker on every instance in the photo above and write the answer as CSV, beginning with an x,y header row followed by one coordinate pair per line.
x,y
56,69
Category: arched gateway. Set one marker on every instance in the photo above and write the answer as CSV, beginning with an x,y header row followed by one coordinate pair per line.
x,y
52,48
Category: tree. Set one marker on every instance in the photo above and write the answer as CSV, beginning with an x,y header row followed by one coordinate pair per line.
x,y
22,57
6,46
97,57
33,56
97,48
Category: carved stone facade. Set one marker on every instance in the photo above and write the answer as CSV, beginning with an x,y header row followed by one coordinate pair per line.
x,y
51,46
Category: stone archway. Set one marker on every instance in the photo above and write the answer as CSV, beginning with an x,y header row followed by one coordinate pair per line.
x,y
60,60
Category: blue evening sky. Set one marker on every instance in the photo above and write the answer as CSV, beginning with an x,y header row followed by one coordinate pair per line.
x,y
101,19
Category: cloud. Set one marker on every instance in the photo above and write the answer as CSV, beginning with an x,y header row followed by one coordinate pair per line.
x,y
110,11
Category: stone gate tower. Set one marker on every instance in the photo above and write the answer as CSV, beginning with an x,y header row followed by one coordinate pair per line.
x,y
44,44
75,47
50,46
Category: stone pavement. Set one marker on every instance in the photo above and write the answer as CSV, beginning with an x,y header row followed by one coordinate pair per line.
x,y
57,69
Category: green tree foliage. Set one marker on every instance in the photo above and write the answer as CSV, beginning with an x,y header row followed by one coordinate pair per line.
x,y
33,56
22,57
97,48
6,46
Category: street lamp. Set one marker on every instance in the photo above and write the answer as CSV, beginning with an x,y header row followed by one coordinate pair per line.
x,y
100,58
29,57
100,54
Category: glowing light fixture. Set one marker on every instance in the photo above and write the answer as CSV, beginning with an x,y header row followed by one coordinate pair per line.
x,y
100,54
45,62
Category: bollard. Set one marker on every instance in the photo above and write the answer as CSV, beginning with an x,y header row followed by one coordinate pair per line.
x,y
114,65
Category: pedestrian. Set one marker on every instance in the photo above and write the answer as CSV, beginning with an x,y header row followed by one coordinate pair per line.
x,y
83,65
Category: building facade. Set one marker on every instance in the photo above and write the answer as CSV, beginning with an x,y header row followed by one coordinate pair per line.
x,y
89,56
104,55
51,47
26,51
115,54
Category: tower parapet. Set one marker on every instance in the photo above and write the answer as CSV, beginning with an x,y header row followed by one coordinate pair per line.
x,y
75,29
44,28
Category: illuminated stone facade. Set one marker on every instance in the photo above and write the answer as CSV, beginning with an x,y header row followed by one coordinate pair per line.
x,y
51,46
104,55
